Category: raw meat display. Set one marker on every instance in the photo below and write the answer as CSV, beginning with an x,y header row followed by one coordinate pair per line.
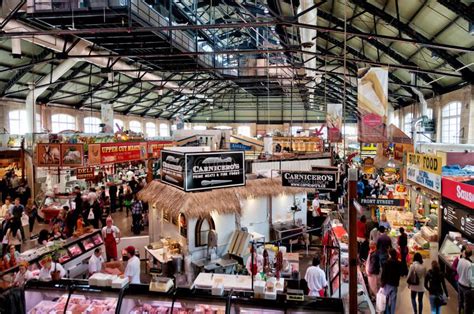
x,y
74,250
97,239
88,244
50,307
83,304
166,309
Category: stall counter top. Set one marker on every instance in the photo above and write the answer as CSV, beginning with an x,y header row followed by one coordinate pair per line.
x,y
235,282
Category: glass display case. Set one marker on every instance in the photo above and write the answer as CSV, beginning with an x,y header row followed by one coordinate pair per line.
x,y
198,301
137,299
451,247
85,299
45,297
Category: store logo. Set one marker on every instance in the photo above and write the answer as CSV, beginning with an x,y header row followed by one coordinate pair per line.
x,y
464,195
372,120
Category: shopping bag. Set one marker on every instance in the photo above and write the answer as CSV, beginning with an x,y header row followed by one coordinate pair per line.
x,y
381,301
91,215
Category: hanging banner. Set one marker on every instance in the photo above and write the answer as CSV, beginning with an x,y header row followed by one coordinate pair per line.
x,y
334,122
172,168
459,192
93,154
85,173
107,117
372,102
308,179
72,155
48,155
425,170
205,171
122,152
155,148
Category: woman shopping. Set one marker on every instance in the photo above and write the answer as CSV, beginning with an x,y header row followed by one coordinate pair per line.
x,y
416,279
436,286
111,235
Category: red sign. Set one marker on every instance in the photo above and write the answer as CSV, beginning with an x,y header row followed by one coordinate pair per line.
x,y
459,192
85,173
372,120
122,152
155,147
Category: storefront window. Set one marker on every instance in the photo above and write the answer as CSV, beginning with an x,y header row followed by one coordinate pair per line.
x,y
135,126
203,226
16,119
92,125
61,122
164,129
150,128
451,123
39,127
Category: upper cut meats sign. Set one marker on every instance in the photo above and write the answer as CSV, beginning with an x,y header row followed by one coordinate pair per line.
x,y
317,180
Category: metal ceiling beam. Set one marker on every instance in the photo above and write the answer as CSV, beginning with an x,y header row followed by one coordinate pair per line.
x,y
84,98
405,28
466,11
67,79
184,105
24,70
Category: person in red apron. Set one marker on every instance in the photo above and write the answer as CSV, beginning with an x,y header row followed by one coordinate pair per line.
x,y
111,235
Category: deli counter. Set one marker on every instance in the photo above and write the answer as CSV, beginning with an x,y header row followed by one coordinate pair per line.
x,y
76,296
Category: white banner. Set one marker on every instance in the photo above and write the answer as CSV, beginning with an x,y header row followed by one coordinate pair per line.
x,y
107,117
429,180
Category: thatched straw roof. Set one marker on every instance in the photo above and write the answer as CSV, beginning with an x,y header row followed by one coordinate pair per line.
x,y
200,204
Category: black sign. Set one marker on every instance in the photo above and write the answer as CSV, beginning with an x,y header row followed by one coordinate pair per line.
x,y
206,171
172,168
310,179
460,218
382,201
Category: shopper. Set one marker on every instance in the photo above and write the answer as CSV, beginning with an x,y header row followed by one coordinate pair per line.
x,y
12,257
132,271
96,262
23,191
390,280
371,225
6,207
23,274
316,279
403,248
94,212
6,223
464,270
32,212
454,267
254,265
374,234
373,269
127,199
360,188
361,229
51,270
416,282
120,197
384,243
14,235
111,236
137,210
436,286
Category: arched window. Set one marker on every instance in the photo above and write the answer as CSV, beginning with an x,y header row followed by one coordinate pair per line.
x,y
16,119
92,125
61,122
150,129
39,126
164,129
135,126
244,130
118,124
407,124
451,122
203,225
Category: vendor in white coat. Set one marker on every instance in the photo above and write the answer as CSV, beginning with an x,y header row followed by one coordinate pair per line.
x,y
132,271
96,262
48,267
316,279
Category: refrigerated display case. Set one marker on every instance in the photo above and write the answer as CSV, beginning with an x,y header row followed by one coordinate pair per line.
x,y
137,299
46,297
93,300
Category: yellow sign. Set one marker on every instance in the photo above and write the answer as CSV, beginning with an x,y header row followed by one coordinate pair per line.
x,y
428,163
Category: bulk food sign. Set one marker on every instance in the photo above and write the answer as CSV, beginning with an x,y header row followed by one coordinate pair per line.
x,y
310,179
204,170
425,170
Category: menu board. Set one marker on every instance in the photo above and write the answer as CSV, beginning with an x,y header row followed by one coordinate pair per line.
x,y
460,218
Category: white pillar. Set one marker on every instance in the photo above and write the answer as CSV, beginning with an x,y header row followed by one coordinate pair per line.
x,y
35,92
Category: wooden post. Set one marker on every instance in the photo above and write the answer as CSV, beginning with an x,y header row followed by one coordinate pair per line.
x,y
352,192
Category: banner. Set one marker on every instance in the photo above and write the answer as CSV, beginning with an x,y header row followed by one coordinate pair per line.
x,y
93,154
122,152
172,168
48,155
155,147
107,117
372,102
383,201
334,118
240,146
85,173
205,171
306,179
459,192
368,150
72,155
429,163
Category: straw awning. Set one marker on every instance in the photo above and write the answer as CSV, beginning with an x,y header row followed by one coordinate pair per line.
x,y
223,201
